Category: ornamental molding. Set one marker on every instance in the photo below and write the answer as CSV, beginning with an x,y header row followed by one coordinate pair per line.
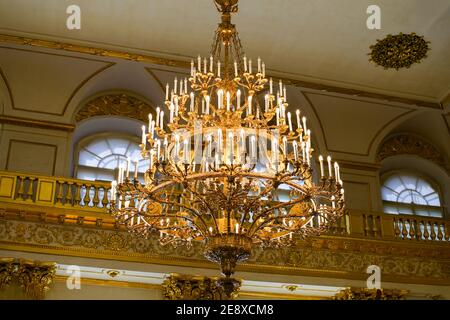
x,y
399,260
402,144
122,105
35,277
371,294
188,287
399,51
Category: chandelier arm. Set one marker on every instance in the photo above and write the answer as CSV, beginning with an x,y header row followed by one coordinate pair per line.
x,y
267,211
255,200
197,214
268,220
198,196
154,217
281,227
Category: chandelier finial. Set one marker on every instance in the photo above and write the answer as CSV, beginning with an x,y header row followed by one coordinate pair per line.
x,y
226,6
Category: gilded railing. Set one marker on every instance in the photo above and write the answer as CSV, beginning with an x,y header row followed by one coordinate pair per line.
x,y
92,197
54,191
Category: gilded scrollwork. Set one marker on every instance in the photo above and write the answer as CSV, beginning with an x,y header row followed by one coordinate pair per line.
x,y
187,287
6,271
371,294
399,51
115,105
402,144
35,277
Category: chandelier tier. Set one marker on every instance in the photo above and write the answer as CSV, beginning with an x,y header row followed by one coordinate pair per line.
x,y
231,167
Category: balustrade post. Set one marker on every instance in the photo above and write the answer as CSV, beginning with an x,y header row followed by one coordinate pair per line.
x,y
21,182
447,231
77,199
418,231
95,200
30,190
105,200
59,196
87,198
69,194
433,232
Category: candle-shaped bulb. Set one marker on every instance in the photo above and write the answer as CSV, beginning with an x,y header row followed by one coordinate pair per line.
x,y
192,101
135,170
289,121
143,136
304,124
330,172
161,120
321,165
207,104
128,167
238,99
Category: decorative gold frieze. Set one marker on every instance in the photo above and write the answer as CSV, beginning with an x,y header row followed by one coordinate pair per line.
x,y
400,261
35,277
399,51
6,271
371,294
115,105
411,145
187,287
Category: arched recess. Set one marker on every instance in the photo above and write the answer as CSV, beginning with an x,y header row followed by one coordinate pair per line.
x,y
412,153
384,133
297,100
108,112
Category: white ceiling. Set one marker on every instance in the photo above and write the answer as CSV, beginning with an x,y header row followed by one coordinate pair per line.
x,y
318,41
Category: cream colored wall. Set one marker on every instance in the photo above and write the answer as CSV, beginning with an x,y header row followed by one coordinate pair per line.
x,y
34,150
59,291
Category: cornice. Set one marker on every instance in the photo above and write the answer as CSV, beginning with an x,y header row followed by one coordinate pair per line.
x,y
24,122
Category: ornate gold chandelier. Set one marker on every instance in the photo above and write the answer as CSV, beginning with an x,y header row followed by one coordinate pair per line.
x,y
232,167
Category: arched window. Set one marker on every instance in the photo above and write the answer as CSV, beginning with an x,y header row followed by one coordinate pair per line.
x,y
101,155
408,193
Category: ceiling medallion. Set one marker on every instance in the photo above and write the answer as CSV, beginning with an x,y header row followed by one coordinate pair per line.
x,y
229,165
399,51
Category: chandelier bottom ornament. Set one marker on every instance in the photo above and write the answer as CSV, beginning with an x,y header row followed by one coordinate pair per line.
x,y
228,250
